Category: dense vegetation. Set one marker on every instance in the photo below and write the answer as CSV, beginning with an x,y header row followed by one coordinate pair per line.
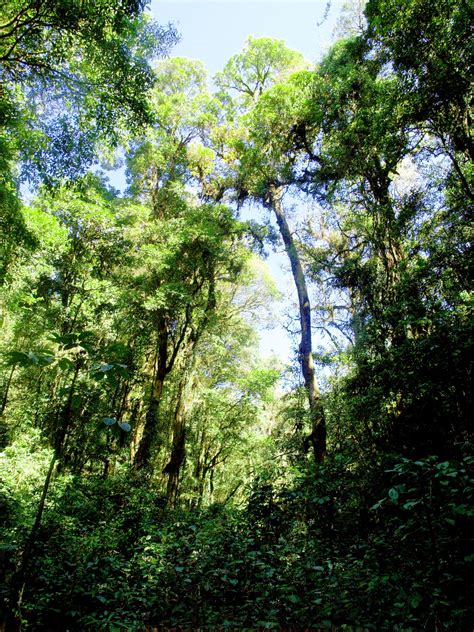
x,y
155,471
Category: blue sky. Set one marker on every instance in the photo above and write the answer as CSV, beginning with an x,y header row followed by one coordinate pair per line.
x,y
214,30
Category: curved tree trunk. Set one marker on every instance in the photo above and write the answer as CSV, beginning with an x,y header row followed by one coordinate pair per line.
x,y
317,438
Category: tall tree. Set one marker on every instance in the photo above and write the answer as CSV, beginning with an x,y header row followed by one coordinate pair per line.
x,y
193,244
265,169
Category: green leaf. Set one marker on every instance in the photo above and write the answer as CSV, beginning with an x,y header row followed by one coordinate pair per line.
x,y
377,505
410,504
393,494
18,357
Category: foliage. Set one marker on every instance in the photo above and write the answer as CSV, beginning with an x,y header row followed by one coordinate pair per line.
x,y
154,467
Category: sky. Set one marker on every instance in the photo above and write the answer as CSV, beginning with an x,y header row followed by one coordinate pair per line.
x,y
214,30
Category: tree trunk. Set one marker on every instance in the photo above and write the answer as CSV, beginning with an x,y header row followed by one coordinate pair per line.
x,y
178,450
199,472
7,390
317,438
177,458
143,454
19,579
3,427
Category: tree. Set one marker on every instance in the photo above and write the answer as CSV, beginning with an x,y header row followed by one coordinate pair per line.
x,y
428,44
261,64
225,393
265,168
351,20
72,75
83,46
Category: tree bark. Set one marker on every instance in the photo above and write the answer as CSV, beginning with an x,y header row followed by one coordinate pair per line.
x,y
317,438
178,450
160,370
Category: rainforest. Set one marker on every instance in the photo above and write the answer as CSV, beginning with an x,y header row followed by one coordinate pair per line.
x,y
158,470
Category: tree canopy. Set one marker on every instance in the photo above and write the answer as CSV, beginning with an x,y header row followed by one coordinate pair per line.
x,y
157,470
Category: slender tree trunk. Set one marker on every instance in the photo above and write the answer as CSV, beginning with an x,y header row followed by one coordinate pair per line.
x,y
317,438
199,470
177,458
7,390
19,579
211,486
3,427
